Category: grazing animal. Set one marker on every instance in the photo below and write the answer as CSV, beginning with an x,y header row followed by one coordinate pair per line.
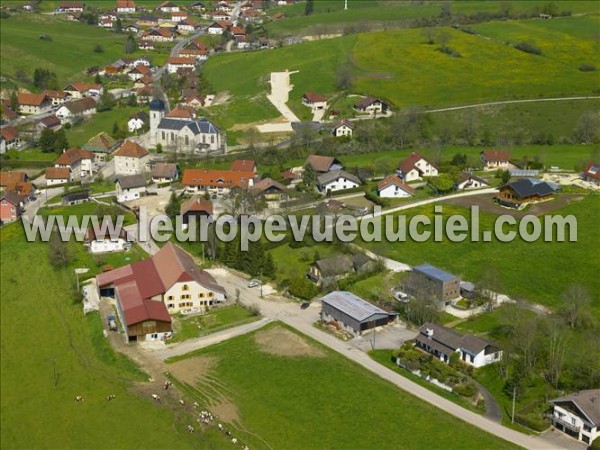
x,y
196,404
156,397
245,447
220,427
181,402
190,429
234,441
228,433
79,398
110,397
167,384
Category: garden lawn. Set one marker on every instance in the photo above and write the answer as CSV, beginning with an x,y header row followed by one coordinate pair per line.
x,y
318,399
103,121
538,271
187,327
69,53
52,353
294,262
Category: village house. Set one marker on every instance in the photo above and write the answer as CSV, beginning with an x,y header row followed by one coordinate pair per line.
x,y
441,284
242,42
158,35
196,207
168,7
102,143
57,175
218,27
343,128
195,101
292,176
138,72
520,193
175,63
130,159
496,159
130,187
147,21
64,7
10,207
326,272
11,179
444,342
137,121
75,109
337,180
244,165
56,97
9,139
146,44
314,101
578,415
52,122
216,182
323,164
188,135
591,173
33,103
194,53
126,7
198,6
147,292
144,94
220,16
469,181
353,314
394,187
76,198
415,167
179,16
372,106
79,90
79,162
270,191
164,173
187,26
106,22
106,243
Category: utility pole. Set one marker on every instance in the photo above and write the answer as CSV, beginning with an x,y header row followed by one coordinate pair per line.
x,y
512,420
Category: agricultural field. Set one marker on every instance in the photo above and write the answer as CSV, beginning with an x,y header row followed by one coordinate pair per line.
x,y
52,353
68,54
267,384
517,262
401,67
330,16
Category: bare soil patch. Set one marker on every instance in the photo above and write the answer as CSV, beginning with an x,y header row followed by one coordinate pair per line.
x,y
225,410
487,204
281,342
192,370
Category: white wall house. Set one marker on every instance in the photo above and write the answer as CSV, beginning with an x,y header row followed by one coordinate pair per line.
x,y
134,124
106,243
469,181
393,187
130,159
344,128
578,415
337,180
130,187
191,294
415,167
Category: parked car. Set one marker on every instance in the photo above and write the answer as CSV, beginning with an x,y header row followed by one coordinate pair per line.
x,y
253,283
401,296
112,323
304,305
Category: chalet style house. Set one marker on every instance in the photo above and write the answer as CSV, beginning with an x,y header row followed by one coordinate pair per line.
x,y
524,191
415,167
578,415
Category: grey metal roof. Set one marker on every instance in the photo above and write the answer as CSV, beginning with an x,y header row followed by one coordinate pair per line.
x,y
588,402
172,124
434,272
353,306
334,175
202,126
446,338
532,186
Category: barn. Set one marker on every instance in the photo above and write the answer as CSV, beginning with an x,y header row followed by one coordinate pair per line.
x,y
352,313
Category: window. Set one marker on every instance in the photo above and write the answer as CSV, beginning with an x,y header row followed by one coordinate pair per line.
x,y
201,295
212,139
170,297
210,294
185,297
185,287
187,140
163,135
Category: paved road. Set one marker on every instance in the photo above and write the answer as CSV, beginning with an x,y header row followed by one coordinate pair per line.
x,y
277,308
511,102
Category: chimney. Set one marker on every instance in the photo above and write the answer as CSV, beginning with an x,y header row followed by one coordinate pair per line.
x,y
429,332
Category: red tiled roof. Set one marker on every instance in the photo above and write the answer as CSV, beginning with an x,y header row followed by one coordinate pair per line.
x,y
224,178
238,31
58,173
265,184
407,164
290,175
393,180
10,178
55,94
180,60
320,163
9,133
314,97
31,99
496,155
50,121
140,68
125,4
164,170
82,87
72,156
131,149
180,113
244,165
197,204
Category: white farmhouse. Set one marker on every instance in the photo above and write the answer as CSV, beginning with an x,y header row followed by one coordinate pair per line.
x,y
415,167
130,159
130,187
337,180
343,128
394,187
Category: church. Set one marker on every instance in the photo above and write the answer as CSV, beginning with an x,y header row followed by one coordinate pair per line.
x,y
186,134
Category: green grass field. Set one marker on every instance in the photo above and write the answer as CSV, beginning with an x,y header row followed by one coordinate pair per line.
x,y
314,399
517,262
68,54
217,319
102,121
399,66
52,353
331,14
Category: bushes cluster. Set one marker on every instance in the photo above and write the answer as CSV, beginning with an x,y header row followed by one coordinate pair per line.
x,y
528,47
